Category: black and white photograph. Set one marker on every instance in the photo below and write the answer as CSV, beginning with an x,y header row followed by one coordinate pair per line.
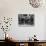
x,y
26,19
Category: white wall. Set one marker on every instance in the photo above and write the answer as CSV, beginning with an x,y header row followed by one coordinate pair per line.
x,y
12,8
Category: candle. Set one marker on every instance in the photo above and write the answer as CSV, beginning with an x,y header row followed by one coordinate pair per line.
x,y
7,35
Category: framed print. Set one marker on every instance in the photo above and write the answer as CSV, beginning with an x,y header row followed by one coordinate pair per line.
x,y
26,19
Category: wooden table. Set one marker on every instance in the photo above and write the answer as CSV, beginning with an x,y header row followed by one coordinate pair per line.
x,y
30,43
27,42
